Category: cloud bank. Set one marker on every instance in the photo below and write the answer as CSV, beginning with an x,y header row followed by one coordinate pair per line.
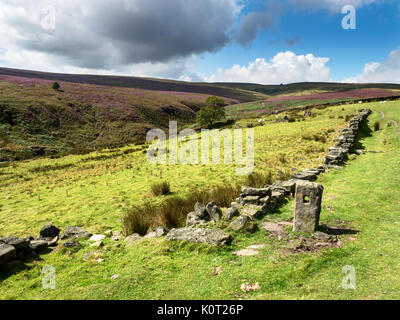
x,y
386,71
286,67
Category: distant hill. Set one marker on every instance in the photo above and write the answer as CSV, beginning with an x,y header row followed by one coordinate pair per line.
x,y
93,112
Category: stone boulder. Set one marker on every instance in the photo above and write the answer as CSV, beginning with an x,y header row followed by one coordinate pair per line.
x,y
263,192
49,231
240,223
206,236
39,246
201,211
230,213
129,240
214,211
75,232
97,237
193,220
157,233
7,254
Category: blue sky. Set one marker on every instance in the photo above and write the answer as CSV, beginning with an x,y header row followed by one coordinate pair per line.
x,y
320,33
262,41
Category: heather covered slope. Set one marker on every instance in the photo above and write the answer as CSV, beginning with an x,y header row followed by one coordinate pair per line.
x,y
35,119
93,112
239,94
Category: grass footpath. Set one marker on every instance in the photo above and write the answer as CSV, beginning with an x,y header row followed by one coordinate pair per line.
x,y
365,194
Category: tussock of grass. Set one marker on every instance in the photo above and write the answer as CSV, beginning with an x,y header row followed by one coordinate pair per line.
x,y
172,212
161,188
259,180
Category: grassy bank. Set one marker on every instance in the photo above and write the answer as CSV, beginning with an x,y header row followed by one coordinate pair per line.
x,y
365,195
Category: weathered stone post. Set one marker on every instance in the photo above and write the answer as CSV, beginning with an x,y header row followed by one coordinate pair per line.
x,y
307,207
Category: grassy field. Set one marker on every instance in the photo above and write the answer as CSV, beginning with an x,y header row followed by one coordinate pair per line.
x,y
92,191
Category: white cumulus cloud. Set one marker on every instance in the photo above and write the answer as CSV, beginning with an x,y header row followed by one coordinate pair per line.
x,y
386,71
285,67
332,5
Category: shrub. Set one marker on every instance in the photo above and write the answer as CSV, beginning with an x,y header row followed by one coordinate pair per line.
x,y
377,126
56,86
161,188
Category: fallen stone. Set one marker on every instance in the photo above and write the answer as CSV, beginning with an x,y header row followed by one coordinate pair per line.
x,y
72,244
263,192
116,238
206,236
214,211
38,246
7,254
76,232
157,233
250,200
273,228
304,175
230,213
21,245
193,220
246,252
53,242
49,231
97,237
97,244
254,211
201,211
131,239
240,223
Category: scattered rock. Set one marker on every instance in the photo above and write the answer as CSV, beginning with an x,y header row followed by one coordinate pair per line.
x,y
214,211
131,239
72,244
254,211
230,213
201,211
193,220
97,237
246,252
38,246
240,223
157,233
207,236
97,244
75,232
49,231
7,254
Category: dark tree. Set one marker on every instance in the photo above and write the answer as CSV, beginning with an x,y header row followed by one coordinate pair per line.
x,y
56,86
213,111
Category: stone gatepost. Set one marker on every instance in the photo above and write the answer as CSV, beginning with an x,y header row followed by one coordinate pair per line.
x,y
307,209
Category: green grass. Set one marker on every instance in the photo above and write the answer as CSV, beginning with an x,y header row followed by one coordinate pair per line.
x,y
94,190
365,194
